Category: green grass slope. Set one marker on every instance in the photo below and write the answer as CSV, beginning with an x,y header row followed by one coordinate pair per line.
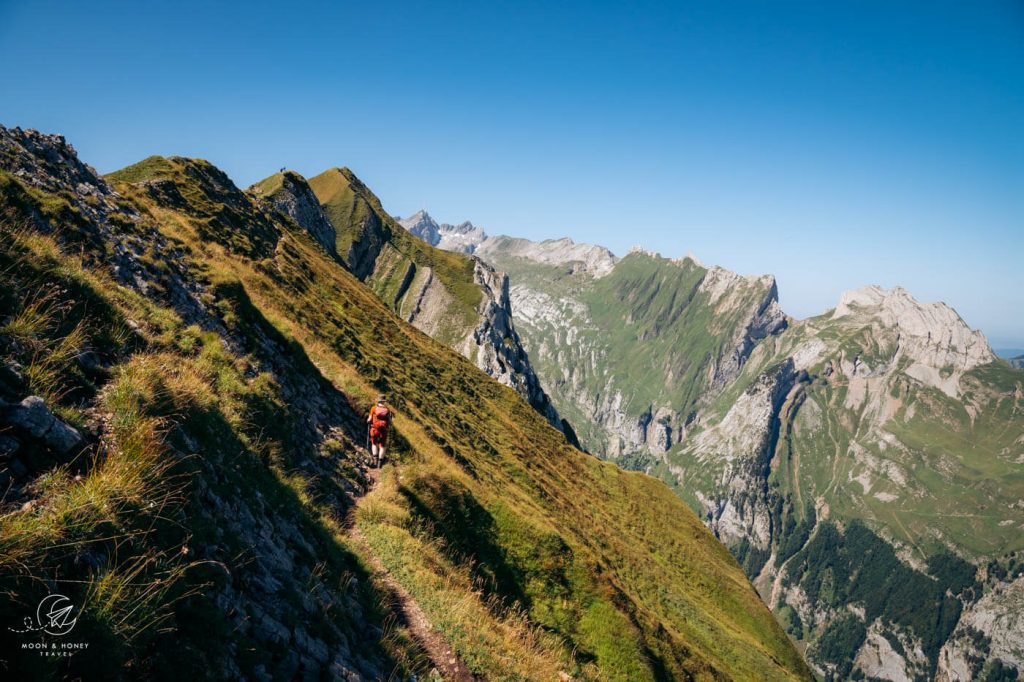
x,y
235,342
389,259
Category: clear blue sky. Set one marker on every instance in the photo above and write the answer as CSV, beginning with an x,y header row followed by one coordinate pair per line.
x,y
832,144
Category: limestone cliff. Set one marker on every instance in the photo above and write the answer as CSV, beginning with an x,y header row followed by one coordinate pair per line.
x,y
608,335
891,410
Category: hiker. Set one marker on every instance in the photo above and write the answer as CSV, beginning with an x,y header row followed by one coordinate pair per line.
x,y
379,420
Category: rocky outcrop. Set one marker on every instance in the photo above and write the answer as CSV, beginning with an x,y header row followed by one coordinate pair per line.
x,y
740,448
990,631
289,193
97,219
498,351
762,315
35,419
938,344
930,333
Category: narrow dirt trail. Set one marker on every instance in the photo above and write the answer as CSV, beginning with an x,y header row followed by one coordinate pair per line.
x,y
446,661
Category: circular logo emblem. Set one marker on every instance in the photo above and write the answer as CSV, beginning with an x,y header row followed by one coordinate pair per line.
x,y
56,615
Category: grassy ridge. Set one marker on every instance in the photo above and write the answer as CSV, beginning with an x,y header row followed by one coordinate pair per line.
x,y
363,224
623,555
122,530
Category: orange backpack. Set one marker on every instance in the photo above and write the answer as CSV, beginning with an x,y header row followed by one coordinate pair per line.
x,y
381,418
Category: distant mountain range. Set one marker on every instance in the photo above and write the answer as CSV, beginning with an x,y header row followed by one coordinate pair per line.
x,y
865,466
463,238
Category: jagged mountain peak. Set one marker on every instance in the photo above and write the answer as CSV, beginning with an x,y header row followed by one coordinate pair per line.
x,y
934,333
464,237
462,228
420,216
720,281
422,225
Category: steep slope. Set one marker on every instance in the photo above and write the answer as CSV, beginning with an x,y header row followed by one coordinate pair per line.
x,y
865,466
211,352
629,347
456,299
191,512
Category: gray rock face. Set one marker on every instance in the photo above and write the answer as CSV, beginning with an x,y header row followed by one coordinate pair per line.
x,y
50,163
741,447
932,337
34,418
423,226
555,309
861,374
462,238
294,198
764,318
498,350
589,258
999,617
